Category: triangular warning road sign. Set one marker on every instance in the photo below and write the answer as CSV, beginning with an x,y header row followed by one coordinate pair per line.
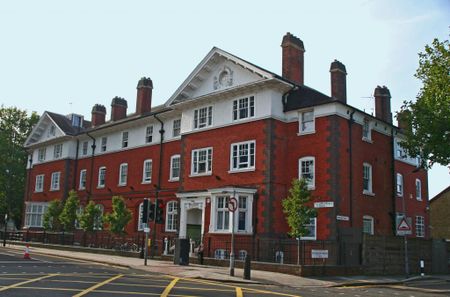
x,y
403,226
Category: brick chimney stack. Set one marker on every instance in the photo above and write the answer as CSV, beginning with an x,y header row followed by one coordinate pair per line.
x,y
118,108
383,104
144,95
402,119
292,56
98,115
338,81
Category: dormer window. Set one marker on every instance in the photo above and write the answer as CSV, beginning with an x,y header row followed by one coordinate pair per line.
x,y
57,151
307,122
125,139
77,120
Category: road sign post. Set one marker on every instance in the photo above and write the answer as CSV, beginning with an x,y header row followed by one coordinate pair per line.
x,y
232,206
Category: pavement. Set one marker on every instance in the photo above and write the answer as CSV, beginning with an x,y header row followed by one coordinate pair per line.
x,y
221,274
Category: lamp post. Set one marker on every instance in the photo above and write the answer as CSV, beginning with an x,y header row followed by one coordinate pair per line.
x,y
232,206
6,224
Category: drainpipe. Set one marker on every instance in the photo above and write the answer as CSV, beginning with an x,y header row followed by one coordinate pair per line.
x,y
350,152
394,193
158,185
76,165
92,166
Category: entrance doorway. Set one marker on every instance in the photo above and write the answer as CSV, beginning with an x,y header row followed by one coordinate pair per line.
x,y
194,225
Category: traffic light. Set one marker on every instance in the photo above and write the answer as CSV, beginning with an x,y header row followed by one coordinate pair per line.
x,y
159,212
151,213
144,211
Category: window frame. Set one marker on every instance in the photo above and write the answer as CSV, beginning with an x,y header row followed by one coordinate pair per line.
x,y
366,130
311,185
176,128
149,134
98,221
314,225
208,117
171,176
140,225
84,148
55,183
399,185
57,151
251,158
369,190
418,187
104,144
83,178
42,154
195,162
144,171
249,109
302,130
41,178
420,226
123,174
125,138
100,175
31,209
171,224
367,218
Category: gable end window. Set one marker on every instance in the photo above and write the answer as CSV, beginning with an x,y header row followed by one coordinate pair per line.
x,y
307,122
203,117
201,161
243,156
307,171
244,108
84,150
366,131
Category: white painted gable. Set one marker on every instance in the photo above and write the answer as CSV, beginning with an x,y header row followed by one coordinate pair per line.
x,y
45,129
217,72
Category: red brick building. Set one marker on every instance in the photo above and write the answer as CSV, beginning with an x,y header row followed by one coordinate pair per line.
x,y
233,129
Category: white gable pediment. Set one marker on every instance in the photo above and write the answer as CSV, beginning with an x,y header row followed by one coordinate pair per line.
x,y
45,129
217,72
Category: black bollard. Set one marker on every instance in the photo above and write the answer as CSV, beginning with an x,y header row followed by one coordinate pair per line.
x,y
247,267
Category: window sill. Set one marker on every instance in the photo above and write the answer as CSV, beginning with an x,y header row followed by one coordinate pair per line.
x,y
171,230
399,195
419,199
229,232
311,188
200,174
121,185
367,140
81,189
308,238
242,170
54,190
39,191
100,187
174,179
306,133
368,193
146,182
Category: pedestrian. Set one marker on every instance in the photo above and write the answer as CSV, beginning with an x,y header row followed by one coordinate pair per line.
x,y
200,254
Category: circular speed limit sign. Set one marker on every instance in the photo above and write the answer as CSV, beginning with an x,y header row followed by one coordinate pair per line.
x,y
232,204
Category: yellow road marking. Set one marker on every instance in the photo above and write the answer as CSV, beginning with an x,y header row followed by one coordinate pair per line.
x,y
98,285
27,282
166,292
239,292
50,289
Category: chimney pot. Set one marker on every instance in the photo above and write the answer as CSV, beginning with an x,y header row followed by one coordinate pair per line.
x,y
118,108
98,115
338,75
144,95
293,58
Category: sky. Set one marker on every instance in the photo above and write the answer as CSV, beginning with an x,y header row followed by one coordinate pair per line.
x,y
66,56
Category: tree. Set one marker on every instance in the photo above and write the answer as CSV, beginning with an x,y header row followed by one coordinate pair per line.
x,y
69,213
91,217
15,126
120,216
298,214
51,219
428,119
